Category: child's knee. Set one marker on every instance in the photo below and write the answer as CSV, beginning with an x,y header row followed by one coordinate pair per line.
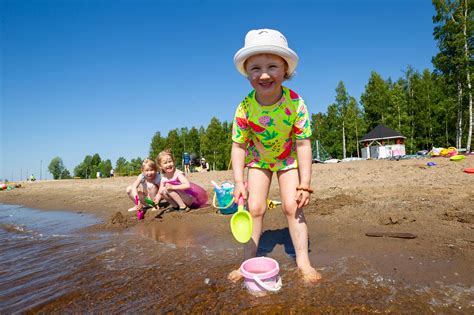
x,y
289,208
258,210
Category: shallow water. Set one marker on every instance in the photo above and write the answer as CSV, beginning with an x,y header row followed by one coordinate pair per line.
x,y
48,265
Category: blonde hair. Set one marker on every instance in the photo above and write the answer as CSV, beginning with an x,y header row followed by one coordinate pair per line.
x,y
162,154
150,163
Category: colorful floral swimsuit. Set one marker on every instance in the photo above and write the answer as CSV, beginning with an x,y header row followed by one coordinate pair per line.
x,y
270,132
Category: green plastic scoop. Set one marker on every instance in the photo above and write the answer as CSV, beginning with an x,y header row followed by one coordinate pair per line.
x,y
151,203
241,223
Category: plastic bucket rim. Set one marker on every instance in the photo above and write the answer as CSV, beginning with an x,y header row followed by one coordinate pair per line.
x,y
271,273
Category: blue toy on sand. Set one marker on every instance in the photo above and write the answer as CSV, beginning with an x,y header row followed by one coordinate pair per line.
x,y
224,195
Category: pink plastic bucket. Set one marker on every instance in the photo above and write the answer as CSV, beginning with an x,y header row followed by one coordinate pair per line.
x,y
261,275
140,215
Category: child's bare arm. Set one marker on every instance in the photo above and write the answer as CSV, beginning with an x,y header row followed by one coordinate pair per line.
x,y
238,165
135,186
303,151
185,184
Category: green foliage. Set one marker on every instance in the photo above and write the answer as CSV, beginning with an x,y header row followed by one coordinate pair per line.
x,y
56,167
121,167
374,100
193,142
453,31
104,167
175,143
84,169
215,144
157,145
135,166
65,174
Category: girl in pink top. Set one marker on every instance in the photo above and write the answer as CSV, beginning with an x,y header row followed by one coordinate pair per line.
x,y
176,188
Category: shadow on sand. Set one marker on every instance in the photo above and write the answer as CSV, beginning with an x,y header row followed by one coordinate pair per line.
x,y
272,238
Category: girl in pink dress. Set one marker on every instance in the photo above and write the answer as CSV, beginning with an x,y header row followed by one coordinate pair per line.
x,y
176,188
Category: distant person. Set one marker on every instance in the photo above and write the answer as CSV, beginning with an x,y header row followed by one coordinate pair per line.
x,y
98,174
32,178
149,180
176,188
112,173
186,162
204,166
272,109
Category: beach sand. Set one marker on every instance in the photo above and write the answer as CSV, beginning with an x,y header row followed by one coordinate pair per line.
x,y
351,199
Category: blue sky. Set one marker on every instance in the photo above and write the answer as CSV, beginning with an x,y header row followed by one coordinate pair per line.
x,y
86,77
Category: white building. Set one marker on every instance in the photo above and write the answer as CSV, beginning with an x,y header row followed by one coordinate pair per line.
x,y
382,142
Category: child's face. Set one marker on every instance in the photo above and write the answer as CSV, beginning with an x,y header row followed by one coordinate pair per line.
x,y
167,164
149,172
266,73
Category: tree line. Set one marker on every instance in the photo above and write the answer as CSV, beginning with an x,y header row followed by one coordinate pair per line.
x,y
430,108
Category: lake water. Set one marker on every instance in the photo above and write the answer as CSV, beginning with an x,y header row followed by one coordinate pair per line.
x,y
49,264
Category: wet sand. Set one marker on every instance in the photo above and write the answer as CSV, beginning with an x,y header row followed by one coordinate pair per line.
x,y
434,203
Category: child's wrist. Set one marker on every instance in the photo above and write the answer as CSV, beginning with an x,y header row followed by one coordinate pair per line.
x,y
305,188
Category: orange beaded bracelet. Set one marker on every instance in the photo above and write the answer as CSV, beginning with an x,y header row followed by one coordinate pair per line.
x,y
305,189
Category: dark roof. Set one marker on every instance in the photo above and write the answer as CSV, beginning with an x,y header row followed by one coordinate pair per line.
x,y
381,132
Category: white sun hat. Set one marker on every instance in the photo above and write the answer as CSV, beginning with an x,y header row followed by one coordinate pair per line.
x,y
265,41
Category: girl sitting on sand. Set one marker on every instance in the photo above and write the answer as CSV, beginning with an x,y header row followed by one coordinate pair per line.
x,y
176,188
149,179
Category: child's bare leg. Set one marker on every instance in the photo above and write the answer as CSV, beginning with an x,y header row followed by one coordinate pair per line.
x,y
178,200
132,197
258,185
152,191
288,181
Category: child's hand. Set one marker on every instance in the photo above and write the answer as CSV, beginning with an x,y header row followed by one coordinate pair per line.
x,y
239,190
136,208
302,198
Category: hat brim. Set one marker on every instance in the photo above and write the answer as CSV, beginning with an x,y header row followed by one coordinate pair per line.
x,y
244,53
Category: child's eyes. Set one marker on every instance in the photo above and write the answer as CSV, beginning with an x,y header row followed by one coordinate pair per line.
x,y
256,69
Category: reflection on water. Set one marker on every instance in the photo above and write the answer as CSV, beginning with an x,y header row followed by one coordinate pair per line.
x,y
46,265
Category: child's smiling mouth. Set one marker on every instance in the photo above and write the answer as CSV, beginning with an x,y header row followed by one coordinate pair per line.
x,y
266,84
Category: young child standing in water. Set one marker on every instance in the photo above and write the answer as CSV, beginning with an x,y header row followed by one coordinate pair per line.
x,y
176,188
270,134
149,179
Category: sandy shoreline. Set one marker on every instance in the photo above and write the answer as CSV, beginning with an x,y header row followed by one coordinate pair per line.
x,y
434,203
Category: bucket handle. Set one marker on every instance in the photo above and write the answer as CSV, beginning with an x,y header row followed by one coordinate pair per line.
x,y
276,288
221,208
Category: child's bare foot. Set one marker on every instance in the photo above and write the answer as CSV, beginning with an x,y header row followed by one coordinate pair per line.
x,y
235,275
310,275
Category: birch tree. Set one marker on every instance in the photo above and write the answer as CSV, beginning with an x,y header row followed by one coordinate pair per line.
x,y
342,100
453,32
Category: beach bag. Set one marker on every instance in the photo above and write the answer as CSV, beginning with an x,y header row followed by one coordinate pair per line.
x,y
223,199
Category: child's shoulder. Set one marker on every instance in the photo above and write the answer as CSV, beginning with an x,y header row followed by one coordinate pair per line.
x,y
292,94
